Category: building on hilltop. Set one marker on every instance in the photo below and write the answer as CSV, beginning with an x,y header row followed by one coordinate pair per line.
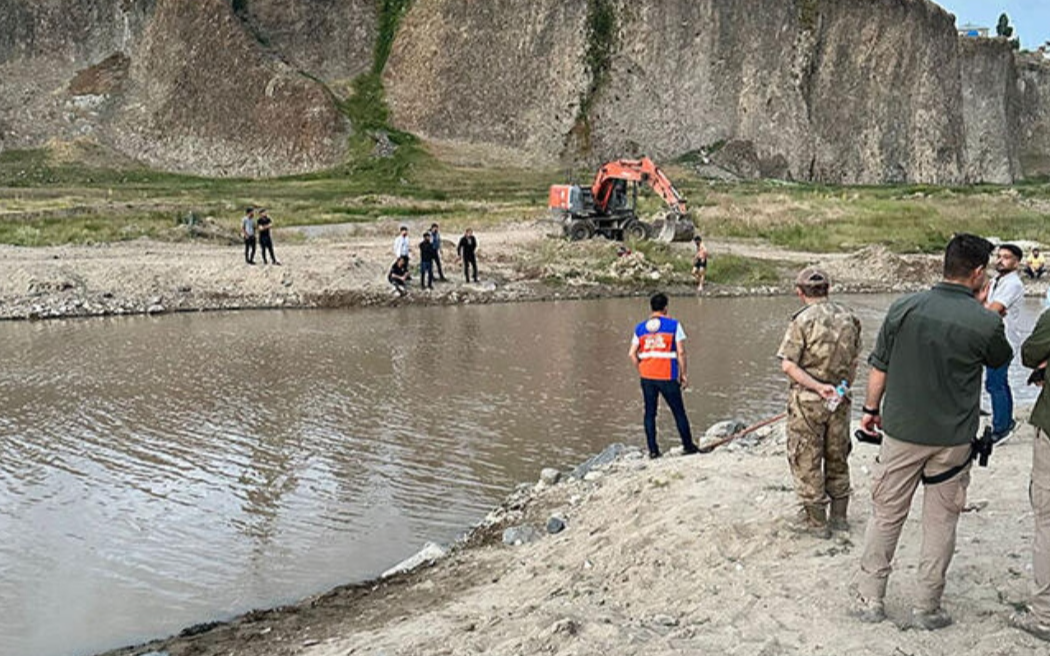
x,y
973,31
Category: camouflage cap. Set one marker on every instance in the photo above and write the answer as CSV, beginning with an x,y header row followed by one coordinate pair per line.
x,y
812,277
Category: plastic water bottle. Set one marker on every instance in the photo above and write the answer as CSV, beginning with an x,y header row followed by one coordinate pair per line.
x,y
840,393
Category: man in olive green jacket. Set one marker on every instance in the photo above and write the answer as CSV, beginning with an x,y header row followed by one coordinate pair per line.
x,y
1034,353
924,390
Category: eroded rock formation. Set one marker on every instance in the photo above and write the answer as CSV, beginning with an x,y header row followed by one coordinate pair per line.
x,y
841,91
182,85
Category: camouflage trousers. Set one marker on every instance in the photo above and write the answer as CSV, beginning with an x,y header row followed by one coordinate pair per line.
x,y
818,448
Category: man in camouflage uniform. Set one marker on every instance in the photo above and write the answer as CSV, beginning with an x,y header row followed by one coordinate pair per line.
x,y
819,350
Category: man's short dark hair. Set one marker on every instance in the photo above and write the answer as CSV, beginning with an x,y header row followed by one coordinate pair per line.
x,y
658,302
1013,248
249,210
965,252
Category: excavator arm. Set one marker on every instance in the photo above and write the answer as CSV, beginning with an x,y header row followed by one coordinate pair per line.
x,y
643,171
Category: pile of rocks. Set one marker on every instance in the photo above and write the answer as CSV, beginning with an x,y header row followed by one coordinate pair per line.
x,y
877,266
635,266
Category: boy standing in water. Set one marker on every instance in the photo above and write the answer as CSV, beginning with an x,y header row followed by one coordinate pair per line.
x,y
699,263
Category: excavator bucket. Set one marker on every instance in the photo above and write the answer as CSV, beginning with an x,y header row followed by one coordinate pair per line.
x,y
673,227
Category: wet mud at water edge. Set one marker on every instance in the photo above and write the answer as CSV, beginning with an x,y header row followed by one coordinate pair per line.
x,y
156,473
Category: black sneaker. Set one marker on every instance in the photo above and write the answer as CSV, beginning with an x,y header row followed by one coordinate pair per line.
x,y
653,455
999,437
697,449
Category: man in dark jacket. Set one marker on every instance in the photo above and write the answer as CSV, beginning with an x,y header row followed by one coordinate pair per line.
x,y
426,262
435,241
924,390
467,249
1036,619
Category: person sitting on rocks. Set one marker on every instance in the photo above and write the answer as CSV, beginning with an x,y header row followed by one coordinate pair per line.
x,y
1035,265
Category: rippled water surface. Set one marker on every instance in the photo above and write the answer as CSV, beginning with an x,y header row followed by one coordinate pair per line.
x,y
159,472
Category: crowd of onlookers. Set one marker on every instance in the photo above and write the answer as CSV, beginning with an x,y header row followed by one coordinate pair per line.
x,y
256,226
256,229
430,258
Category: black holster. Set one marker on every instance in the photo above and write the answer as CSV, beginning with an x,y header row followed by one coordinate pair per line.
x,y
980,450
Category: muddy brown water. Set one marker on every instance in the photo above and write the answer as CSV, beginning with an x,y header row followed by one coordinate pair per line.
x,y
161,472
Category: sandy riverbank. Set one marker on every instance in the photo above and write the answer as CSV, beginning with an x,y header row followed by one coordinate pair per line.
x,y
685,555
348,268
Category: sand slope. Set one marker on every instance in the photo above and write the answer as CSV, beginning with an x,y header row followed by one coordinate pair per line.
x,y
694,555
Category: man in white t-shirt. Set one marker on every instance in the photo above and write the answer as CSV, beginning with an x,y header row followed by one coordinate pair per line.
x,y
403,247
1005,298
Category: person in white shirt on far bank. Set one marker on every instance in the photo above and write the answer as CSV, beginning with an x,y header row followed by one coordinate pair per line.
x,y
1005,297
403,247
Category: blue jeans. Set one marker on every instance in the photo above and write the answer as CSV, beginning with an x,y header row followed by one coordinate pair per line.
x,y
997,384
426,274
671,390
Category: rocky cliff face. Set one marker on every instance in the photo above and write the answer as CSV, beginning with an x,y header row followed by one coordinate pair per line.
x,y
505,75
884,96
1033,89
183,85
202,95
843,91
43,45
991,110
330,39
832,90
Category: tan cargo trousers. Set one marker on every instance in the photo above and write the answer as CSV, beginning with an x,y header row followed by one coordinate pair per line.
x,y
894,479
1040,496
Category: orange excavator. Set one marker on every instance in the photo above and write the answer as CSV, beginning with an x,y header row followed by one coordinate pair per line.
x,y
607,207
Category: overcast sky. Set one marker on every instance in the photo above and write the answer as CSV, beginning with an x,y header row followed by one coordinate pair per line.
x,y
1030,18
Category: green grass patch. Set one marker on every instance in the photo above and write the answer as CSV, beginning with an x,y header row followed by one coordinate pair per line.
x,y
88,230
390,14
727,269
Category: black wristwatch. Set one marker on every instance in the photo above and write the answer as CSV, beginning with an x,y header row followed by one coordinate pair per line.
x,y
870,411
